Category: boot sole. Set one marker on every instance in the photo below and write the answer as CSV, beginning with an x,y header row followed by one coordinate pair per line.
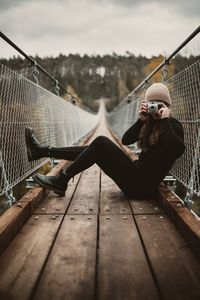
x,y
59,192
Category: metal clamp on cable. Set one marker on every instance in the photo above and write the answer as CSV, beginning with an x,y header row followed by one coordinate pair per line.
x,y
35,73
57,88
164,73
188,198
146,85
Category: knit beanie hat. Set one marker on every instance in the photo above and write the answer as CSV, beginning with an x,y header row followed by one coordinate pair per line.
x,y
158,91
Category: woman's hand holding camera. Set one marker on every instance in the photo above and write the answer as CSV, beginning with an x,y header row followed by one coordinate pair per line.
x,y
143,115
164,112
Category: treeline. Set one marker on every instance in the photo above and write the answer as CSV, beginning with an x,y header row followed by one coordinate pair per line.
x,y
93,77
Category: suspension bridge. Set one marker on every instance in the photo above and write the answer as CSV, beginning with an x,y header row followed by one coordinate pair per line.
x,y
96,242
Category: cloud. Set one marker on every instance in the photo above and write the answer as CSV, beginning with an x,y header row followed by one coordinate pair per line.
x,y
7,4
185,7
91,26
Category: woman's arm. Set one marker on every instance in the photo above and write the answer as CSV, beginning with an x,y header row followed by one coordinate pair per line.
x,y
172,137
132,134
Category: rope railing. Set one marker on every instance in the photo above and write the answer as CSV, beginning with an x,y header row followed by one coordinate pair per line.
x,y
55,121
164,63
36,66
185,93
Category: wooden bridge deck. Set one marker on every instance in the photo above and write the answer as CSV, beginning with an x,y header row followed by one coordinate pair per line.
x,y
95,243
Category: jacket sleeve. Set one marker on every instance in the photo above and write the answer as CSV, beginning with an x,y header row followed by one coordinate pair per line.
x,y
132,134
172,137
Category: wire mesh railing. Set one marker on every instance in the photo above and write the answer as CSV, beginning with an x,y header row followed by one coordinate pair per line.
x,y
185,94
36,67
55,121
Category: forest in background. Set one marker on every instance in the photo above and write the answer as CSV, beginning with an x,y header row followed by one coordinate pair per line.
x,y
92,77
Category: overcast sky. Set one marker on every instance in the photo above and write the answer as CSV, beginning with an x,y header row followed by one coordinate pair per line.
x,y
51,27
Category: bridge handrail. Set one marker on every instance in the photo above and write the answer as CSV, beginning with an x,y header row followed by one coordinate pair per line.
x,y
34,63
165,62
55,121
185,93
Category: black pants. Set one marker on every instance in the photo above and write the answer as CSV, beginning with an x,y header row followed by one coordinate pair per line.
x,y
128,175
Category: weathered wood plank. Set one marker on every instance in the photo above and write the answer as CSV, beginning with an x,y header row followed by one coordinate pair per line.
x,y
70,271
173,278
15,217
34,197
112,199
146,206
186,222
189,260
86,197
54,204
11,222
123,269
22,261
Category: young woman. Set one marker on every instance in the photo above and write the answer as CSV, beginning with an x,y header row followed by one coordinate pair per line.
x,y
159,136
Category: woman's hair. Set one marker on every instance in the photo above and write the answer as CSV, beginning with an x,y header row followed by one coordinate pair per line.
x,y
149,134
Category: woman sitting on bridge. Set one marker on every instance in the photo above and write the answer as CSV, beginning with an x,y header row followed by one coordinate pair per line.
x,y
159,136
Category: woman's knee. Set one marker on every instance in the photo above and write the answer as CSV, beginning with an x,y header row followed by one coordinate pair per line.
x,y
101,140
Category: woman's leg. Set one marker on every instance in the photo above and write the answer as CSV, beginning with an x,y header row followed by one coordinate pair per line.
x,y
68,153
108,156
36,151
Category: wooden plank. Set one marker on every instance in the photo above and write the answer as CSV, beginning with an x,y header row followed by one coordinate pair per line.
x,y
146,206
70,271
86,197
189,260
15,217
186,222
11,222
22,261
34,197
54,204
173,278
123,269
112,199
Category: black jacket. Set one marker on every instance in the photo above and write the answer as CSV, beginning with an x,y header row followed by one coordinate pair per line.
x,y
159,158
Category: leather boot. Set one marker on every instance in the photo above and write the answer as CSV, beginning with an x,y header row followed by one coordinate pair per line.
x,y
57,183
34,149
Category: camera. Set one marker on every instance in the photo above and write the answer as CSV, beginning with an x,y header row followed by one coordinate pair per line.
x,y
154,106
